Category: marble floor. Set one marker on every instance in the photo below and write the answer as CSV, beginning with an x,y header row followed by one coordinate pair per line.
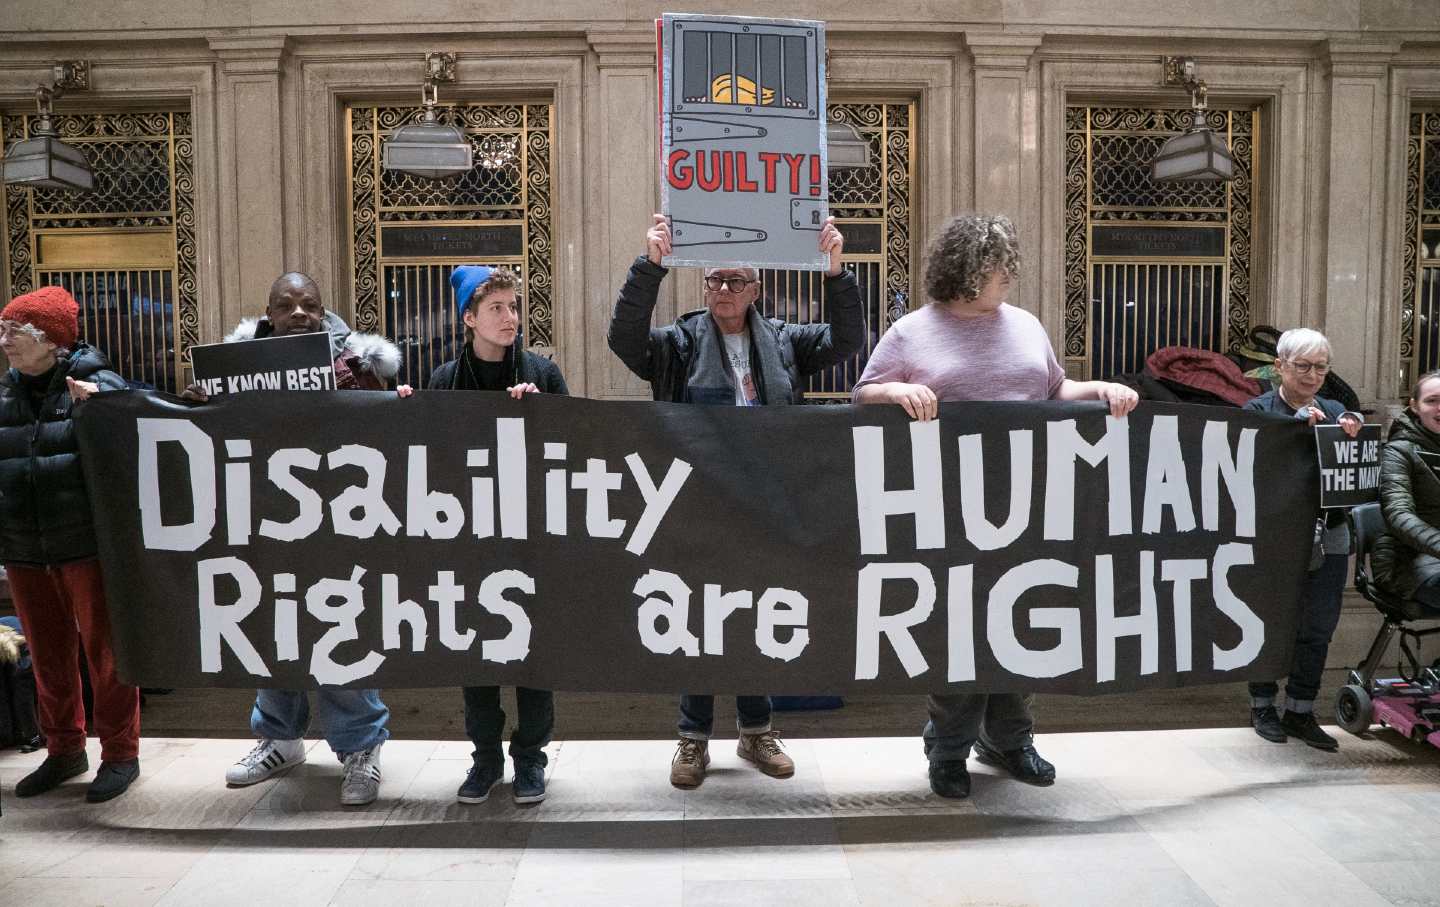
x,y
1177,817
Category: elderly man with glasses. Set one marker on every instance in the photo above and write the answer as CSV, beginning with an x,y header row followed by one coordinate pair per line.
x,y
729,354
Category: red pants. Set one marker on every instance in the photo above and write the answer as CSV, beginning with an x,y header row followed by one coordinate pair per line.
x,y
62,608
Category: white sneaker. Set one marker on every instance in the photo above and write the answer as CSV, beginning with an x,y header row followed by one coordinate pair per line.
x,y
269,757
361,783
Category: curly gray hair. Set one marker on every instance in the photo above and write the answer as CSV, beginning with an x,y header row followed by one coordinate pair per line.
x,y
968,249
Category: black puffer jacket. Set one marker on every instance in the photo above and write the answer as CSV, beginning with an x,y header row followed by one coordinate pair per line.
x,y
44,509
1409,552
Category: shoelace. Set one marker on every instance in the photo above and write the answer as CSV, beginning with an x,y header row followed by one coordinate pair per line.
x,y
361,763
257,755
689,752
768,744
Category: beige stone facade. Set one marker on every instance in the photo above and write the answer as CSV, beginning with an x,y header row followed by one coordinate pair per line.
x,y
267,84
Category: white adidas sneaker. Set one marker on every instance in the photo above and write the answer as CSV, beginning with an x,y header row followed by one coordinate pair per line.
x,y
269,757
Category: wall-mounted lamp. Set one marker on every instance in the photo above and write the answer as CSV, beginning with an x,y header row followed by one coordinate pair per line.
x,y
429,149
1198,153
43,161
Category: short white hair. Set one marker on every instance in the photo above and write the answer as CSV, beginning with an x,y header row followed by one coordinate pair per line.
x,y
750,273
1301,341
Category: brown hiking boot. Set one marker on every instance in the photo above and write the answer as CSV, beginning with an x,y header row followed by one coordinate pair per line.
x,y
764,750
687,769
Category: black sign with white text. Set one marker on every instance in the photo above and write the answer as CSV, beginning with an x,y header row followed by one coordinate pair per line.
x,y
294,362
351,538
1349,467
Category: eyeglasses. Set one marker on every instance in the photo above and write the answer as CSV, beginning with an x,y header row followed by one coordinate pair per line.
x,y
1304,368
732,284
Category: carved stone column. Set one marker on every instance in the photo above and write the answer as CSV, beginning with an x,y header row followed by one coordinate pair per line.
x,y
1007,154
1356,288
251,203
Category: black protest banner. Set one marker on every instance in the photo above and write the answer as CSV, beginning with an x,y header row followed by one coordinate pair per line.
x,y
302,539
1349,467
295,362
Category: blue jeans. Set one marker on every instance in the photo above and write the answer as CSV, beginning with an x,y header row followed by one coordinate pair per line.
x,y
485,724
354,720
1319,604
697,715
1002,720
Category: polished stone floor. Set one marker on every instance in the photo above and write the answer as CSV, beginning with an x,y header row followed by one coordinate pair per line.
x,y
1175,817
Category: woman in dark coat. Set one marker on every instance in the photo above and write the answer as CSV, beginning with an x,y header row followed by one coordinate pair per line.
x,y
48,545
1407,557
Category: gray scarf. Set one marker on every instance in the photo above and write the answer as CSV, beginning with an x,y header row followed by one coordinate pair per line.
x,y
711,380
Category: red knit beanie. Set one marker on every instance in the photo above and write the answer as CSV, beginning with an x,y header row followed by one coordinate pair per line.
x,y
51,309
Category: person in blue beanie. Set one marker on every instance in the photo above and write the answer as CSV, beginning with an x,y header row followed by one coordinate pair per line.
x,y
493,359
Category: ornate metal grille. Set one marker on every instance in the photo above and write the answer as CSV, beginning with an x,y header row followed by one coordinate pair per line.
x,y
872,207
1420,284
408,234
127,250
1152,264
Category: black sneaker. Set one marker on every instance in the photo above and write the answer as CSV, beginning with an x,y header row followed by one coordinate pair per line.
x,y
529,783
1024,763
1266,723
950,779
1302,725
481,777
112,780
53,772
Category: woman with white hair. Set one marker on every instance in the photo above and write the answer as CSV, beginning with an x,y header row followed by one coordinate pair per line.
x,y
1302,360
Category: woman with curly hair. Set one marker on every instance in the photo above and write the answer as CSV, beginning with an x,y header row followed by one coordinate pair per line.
x,y
970,344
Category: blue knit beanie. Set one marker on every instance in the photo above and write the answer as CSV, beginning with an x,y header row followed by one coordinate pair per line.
x,y
465,280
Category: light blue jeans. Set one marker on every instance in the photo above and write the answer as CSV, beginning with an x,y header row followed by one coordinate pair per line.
x,y
353,720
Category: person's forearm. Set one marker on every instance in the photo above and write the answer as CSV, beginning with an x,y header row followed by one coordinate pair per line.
x,y
1079,390
870,393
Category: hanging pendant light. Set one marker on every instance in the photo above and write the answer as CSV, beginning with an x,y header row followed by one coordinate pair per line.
x,y
430,149
1198,153
42,161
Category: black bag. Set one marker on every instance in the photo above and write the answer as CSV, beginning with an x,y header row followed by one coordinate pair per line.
x,y
19,719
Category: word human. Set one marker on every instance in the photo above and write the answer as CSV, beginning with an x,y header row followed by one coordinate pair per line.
x,y
361,510
1166,509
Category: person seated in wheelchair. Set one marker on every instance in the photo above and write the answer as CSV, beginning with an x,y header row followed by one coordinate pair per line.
x,y
1302,360
1406,560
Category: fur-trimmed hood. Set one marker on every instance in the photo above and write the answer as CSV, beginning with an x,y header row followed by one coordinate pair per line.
x,y
375,354
10,643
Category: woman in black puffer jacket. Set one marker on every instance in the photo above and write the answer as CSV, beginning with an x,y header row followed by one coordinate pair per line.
x,y
1406,559
48,546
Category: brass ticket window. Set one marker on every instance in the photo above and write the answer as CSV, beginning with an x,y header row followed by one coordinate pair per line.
x,y
1420,283
1148,264
872,208
408,234
125,251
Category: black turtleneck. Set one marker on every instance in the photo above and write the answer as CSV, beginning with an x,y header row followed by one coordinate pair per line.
x,y
475,374
35,387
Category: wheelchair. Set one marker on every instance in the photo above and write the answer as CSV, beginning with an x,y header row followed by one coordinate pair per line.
x,y
1410,702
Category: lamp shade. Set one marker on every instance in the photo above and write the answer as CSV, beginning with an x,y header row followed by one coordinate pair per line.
x,y
45,162
1199,154
428,150
845,147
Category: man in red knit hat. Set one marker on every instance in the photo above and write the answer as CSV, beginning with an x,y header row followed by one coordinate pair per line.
x,y
48,547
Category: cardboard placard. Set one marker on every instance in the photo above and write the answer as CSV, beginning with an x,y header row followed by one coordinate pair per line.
x,y
1349,467
295,362
742,148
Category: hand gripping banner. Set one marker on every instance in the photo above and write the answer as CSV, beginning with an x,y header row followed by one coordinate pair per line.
x,y
299,539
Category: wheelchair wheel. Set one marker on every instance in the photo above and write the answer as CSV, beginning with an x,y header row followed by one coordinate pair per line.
x,y
1352,709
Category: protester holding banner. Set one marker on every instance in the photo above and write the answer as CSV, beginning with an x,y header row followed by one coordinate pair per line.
x,y
970,344
729,354
48,544
354,720
1407,556
493,360
1302,360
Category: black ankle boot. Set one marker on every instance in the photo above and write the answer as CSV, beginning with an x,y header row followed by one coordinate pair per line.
x,y
1302,726
53,772
112,780
1267,724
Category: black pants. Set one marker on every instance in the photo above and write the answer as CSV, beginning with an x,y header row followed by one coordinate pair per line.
x,y
1319,613
485,724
